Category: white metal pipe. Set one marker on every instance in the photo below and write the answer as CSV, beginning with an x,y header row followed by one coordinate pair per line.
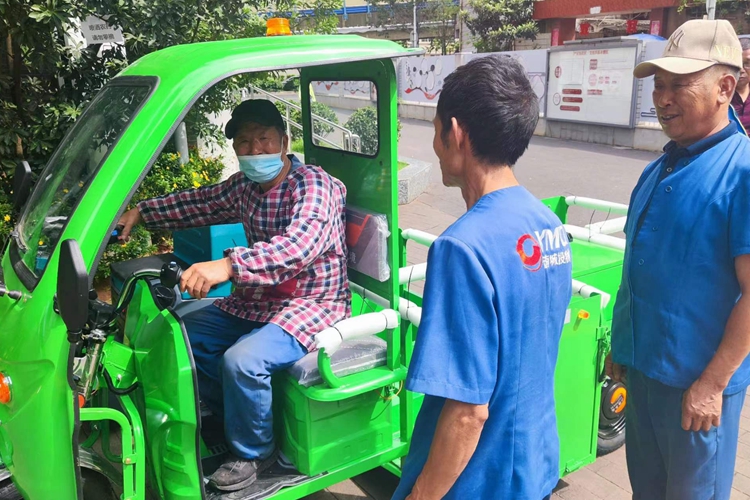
x,y
418,236
610,226
711,9
594,204
360,326
581,233
409,274
584,290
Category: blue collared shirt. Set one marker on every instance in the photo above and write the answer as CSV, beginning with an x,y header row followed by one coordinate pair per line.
x,y
689,218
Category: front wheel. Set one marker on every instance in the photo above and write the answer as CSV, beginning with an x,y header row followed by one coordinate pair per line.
x,y
95,487
8,491
611,417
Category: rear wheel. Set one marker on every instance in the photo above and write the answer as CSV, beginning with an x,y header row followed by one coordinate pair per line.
x,y
611,417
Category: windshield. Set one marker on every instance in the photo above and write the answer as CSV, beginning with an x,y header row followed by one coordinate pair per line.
x,y
71,169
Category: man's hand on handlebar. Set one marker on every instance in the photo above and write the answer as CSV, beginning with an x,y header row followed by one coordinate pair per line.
x,y
200,277
129,219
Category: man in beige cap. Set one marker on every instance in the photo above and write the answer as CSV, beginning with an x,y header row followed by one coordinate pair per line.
x,y
681,326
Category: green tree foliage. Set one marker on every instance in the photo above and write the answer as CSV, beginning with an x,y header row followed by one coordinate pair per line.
x,y
167,175
323,20
47,77
443,15
364,123
439,15
48,74
496,24
319,109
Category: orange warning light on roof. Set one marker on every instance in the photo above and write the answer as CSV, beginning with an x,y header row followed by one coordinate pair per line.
x,y
278,26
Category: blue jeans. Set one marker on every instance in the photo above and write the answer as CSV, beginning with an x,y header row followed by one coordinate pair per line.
x,y
668,463
234,360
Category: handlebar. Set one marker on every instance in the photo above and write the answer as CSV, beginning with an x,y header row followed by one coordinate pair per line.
x,y
169,275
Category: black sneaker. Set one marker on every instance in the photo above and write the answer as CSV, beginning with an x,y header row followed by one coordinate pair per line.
x,y
238,473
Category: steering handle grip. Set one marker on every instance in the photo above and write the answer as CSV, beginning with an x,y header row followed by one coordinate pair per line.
x,y
171,274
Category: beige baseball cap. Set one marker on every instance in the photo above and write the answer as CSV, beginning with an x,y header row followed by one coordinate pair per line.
x,y
695,46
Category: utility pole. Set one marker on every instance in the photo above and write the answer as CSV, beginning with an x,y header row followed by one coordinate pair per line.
x,y
415,41
711,9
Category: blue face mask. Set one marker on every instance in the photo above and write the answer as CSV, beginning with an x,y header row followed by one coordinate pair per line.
x,y
261,168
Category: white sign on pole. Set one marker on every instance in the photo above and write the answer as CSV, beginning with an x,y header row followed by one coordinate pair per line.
x,y
97,30
592,85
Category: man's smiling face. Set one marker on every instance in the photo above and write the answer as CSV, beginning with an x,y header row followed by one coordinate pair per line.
x,y
686,104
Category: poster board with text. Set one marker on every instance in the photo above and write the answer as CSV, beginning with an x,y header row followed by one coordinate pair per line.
x,y
593,83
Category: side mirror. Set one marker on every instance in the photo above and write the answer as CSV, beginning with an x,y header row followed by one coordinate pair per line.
x,y
72,289
21,184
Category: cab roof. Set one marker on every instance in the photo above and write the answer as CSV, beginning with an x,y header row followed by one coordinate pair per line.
x,y
210,61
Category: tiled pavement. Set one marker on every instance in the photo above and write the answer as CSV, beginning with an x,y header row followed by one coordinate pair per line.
x,y
550,167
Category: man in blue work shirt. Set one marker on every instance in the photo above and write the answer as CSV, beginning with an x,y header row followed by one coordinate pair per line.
x,y
681,325
498,286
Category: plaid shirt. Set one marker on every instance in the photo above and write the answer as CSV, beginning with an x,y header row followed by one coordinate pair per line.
x,y
294,274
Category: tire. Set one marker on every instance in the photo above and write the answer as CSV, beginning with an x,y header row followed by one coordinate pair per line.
x,y
611,418
95,487
8,491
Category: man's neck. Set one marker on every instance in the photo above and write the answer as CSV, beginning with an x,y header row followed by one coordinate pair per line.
x,y
721,122
483,179
743,91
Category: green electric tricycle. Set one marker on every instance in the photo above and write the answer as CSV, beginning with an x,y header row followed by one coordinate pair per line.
x,y
100,401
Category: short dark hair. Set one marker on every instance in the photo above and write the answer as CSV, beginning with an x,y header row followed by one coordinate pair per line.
x,y
491,97
260,111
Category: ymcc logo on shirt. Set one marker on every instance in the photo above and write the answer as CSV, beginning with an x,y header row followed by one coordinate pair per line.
x,y
546,248
530,252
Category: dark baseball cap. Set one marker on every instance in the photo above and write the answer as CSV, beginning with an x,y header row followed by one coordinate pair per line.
x,y
260,111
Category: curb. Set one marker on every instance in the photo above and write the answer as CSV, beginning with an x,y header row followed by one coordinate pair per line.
x,y
413,179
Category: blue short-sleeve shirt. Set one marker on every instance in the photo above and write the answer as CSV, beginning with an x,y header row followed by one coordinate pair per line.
x,y
497,291
689,218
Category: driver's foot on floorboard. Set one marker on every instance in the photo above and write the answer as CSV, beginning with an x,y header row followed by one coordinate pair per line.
x,y
237,473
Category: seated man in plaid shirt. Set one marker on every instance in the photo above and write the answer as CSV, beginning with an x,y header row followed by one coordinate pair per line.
x,y
289,284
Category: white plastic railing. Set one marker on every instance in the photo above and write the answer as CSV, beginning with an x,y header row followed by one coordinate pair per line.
x,y
586,291
409,274
594,204
360,326
406,308
581,233
610,226
418,236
